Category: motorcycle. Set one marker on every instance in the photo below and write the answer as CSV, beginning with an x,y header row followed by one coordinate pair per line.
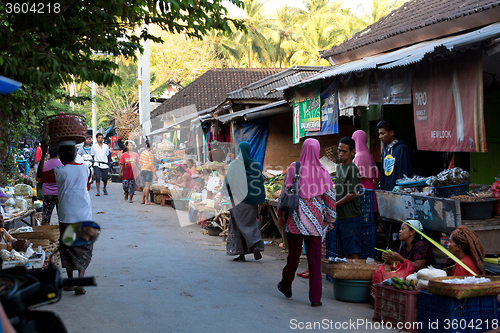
x,y
87,159
22,289
114,167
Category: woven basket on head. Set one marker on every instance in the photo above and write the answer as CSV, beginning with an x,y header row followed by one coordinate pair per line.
x,y
66,126
126,123
332,154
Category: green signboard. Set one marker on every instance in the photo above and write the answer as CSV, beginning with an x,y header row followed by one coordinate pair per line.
x,y
306,110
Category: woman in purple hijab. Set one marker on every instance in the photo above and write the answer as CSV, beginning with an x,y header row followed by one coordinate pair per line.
x,y
306,223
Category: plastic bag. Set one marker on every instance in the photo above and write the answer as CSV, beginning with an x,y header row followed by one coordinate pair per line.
x,y
412,277
192,215
402,271
422,284
10,203
23,190
22,204
29,251
429,273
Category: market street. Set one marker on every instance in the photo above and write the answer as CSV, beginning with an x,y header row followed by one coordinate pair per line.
x,y
155,276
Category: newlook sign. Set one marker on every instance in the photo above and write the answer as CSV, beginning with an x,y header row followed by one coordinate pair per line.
x,y
448,104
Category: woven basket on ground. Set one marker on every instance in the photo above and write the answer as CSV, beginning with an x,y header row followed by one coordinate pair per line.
x,y
66,126
49,232
332,154
180,193
356,269
157,198
165,191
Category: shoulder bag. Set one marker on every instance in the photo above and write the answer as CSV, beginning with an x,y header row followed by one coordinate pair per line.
x,y
290,200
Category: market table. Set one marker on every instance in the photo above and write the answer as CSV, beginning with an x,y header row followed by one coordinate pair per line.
x,y
29,214
438,214
270,215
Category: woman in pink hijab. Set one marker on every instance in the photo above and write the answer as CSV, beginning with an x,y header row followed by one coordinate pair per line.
x,y
306,223
365,162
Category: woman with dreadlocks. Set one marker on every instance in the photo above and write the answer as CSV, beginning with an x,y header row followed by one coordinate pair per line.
x,y
465,245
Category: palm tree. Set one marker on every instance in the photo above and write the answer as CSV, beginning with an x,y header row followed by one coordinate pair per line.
x,y
378,9
319,30
284,24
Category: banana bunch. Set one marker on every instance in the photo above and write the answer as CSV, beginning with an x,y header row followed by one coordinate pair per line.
x,y
402,284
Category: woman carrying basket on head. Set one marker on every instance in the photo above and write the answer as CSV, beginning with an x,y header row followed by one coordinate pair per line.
x,y
128,170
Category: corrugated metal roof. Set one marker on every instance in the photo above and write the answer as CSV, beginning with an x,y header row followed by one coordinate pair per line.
x,y
261,88
412,16
241,114
178,121
407,55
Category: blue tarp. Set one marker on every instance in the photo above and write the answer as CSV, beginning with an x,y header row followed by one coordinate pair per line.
x,y
255,133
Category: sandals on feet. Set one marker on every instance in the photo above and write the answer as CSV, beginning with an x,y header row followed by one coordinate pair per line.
x,y
97,194
301,273
105,192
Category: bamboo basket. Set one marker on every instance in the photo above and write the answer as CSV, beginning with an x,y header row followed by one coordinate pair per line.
x,y
356,269
126,123
459,291
49,232
178,193
332,154
166,191
158,198
66,126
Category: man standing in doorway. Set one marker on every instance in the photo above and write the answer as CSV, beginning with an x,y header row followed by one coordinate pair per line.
x,y
396,160
86,149
347,185
100,153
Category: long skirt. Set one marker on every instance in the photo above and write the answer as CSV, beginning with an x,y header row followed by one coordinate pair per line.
x,y
74,257
243,234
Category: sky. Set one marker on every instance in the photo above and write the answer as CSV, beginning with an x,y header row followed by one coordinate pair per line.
x,y
271,5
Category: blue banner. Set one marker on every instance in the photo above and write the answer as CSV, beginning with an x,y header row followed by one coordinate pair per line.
x,y
329,111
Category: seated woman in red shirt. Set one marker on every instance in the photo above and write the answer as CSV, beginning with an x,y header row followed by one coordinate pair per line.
x,y
184,179
465,245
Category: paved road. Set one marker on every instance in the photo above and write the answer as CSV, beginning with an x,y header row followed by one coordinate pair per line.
x,y
155,276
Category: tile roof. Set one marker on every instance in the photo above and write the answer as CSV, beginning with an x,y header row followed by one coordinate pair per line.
x,y
261,88
211,89
412,16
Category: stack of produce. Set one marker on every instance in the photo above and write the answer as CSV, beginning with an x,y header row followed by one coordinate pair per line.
x,y
449,177
403,284
273,186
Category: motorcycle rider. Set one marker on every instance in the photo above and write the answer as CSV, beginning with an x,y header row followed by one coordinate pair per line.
x,y
100,154
87,147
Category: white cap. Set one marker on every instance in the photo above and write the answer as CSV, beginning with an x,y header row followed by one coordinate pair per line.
x,y
67,143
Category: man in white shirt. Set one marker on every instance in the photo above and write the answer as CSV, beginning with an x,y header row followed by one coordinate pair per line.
x,y
100,153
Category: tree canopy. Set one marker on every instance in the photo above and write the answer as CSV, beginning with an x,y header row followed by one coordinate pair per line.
x,y
46,44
